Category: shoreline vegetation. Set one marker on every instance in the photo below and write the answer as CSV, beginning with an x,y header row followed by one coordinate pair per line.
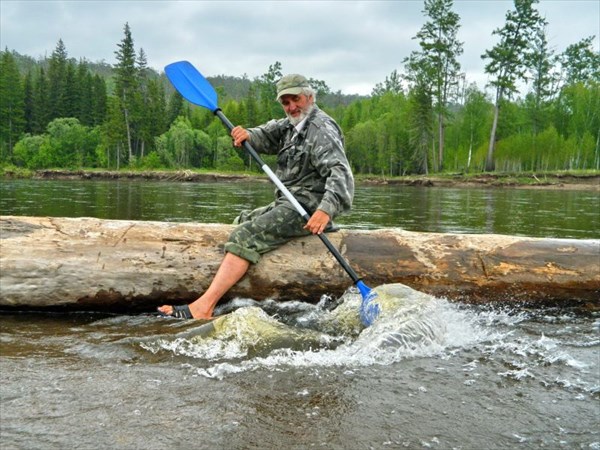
x,y
576,180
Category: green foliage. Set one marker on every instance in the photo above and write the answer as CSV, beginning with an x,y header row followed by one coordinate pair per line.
x,y
152,161
510,58
58,82
12,171
26,151
581,62
269,107
12,105
61,113
544,81
435,71
184,147
470,131
66,144
226,157
175,146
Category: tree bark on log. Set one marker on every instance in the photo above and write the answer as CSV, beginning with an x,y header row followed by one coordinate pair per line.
x,y
113,265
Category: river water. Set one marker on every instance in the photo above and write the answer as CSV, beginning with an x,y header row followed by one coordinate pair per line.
x,y
525,212
427,374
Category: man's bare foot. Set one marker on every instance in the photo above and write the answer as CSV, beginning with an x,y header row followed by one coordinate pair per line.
x,y
177,311
166,309
231,270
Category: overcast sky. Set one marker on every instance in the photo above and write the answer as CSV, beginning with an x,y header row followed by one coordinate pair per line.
x,y
351,45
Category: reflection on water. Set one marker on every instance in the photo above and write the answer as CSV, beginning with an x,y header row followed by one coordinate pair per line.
x,y
427,374
538,213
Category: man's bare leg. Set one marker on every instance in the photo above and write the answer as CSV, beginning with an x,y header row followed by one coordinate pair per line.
x,y
231,270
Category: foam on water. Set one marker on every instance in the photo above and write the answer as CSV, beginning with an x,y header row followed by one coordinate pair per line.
x,y
522,346
411,324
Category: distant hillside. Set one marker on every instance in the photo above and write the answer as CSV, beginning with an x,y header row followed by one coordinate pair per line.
x,y
27,63
234,88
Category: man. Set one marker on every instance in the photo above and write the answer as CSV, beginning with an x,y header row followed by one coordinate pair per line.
x,y
311,163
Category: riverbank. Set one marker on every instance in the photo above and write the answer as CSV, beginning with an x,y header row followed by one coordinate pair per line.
x,y
552,180
575,180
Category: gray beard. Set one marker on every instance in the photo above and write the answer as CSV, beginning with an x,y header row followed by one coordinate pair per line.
x,y
303,115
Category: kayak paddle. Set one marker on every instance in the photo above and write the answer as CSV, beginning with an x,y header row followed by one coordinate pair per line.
x,y
196,89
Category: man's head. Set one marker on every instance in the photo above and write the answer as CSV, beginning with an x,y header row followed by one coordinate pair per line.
x,y
294,84
296,97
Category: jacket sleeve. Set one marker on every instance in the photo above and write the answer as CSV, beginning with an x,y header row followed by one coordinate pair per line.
x,y
330,160
267,138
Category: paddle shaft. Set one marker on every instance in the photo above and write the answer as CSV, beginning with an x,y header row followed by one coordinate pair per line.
x,y
334,251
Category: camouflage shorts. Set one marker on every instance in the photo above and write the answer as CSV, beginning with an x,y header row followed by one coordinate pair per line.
x,y
264,229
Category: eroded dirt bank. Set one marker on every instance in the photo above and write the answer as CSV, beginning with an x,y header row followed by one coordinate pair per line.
x,y
524,181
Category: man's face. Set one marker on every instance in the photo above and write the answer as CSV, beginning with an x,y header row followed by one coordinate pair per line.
x,y
296,107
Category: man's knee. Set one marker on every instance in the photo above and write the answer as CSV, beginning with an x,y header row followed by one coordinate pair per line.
x,y
248,254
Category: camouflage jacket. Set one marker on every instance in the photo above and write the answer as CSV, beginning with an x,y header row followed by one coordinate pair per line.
x,y
312,164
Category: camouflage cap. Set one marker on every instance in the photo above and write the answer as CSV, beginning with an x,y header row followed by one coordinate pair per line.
x,y
291,84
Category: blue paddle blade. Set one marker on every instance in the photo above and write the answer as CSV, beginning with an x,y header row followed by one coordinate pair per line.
x,y
191,84
369,308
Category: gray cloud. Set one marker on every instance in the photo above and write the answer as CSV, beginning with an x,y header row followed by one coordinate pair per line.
x,y
351,45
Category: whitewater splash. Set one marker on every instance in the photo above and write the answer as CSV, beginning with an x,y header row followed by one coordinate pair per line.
x,y
294,334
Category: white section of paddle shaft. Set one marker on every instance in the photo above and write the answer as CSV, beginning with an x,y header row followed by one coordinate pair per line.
x,y
285,191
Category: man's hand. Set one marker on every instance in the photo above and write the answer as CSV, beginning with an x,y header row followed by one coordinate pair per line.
x,y
317,223
239,135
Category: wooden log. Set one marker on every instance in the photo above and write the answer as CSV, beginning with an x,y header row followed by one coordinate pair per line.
x,y
85,263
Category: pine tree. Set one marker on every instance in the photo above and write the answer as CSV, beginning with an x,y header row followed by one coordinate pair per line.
x,y
544,78
392,84
509,58
251,119
269,109
85,110
421,134
72,93
29,102
126,81
142,104
12,104
99,100
41,109
581,62
437,61
175,107
57,78
113,131
155,120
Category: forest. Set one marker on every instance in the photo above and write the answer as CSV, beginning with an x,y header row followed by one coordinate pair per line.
x,y
539,112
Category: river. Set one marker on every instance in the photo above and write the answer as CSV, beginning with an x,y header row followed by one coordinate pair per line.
x,y
525,212
428,374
